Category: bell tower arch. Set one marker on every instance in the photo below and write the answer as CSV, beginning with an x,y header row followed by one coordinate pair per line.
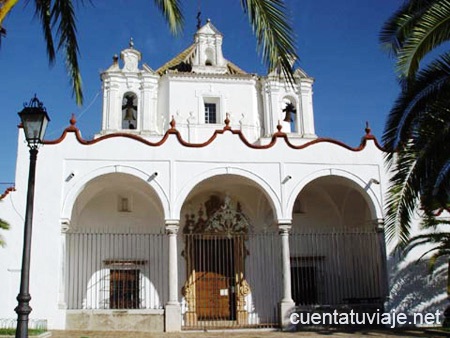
x,y
130,95
291,105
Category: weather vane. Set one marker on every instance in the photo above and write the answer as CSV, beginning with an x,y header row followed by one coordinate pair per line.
x,y
199,13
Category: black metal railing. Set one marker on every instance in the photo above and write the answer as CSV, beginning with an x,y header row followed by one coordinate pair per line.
x,y
225,280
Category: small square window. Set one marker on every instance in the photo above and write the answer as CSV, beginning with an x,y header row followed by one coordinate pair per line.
x,y
124,204
210,113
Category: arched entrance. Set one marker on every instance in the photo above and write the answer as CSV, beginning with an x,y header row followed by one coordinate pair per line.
x,y
114,246
337,247
332,203
215,262
218,237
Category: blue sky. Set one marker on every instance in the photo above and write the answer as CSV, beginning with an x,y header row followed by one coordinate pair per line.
x,y
337,43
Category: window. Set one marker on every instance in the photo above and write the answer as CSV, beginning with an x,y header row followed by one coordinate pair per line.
x,y
304,285
124,289
123,204
210,113
306,279
209,55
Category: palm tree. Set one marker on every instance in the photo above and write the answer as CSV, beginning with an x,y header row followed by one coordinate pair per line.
x,y
4,226
417,132
5,7
268,19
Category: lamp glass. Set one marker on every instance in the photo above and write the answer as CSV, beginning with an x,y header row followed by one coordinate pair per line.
x,y
34,122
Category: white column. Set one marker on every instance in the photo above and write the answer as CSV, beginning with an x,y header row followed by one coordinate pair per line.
x,y
307,112
172,231
147,106
65,226
173,308
286,259
287,305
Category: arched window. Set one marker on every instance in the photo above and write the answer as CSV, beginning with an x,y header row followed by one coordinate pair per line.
x,y
129,111
209,57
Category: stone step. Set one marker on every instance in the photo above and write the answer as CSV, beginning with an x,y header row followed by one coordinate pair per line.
x,y
252,334
189,334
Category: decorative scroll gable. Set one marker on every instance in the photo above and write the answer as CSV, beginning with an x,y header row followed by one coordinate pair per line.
x,y
222,218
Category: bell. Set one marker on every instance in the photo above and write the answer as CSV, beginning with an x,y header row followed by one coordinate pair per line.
x,y
129,114
289,110
129,108
288,117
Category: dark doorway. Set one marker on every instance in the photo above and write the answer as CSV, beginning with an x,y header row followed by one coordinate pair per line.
x,y
304,285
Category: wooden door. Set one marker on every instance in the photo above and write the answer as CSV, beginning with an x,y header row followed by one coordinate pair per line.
x,y
215,279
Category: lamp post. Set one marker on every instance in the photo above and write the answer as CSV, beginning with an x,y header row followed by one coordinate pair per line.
x,y
34,121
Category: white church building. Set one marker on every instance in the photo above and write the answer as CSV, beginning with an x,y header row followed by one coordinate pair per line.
x,y
205,200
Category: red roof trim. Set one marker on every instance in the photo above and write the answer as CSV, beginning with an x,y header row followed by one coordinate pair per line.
x,y
440,211
6,192
227,128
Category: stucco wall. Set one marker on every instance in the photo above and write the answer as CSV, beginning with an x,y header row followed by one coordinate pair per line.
x,y
180,169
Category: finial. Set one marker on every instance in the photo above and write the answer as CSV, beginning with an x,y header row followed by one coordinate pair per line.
x,y
131,43
227,120
367,129
279,126
208,20
115,59
73,120
34,103
172,123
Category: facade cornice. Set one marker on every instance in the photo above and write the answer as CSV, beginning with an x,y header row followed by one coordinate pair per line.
x,y
215,77
227,128
122,75
7,191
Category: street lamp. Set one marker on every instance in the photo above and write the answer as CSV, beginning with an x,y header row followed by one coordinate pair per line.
x,y
34,122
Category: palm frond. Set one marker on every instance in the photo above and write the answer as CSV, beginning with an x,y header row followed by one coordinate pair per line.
x,y
417,132
440,248
443,177
432,85
442,240
64,16
43,12
431,29
4,226
5,8
396,29
171,11
430,221
274,34
403,196
417,167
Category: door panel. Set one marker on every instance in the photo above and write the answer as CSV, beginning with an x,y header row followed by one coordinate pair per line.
x,y
215,281
213,296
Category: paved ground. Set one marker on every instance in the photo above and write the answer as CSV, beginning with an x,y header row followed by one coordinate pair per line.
x,y
252,334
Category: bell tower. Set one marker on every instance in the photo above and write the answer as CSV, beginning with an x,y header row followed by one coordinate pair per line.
x,y
130,95
208,54
290,105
